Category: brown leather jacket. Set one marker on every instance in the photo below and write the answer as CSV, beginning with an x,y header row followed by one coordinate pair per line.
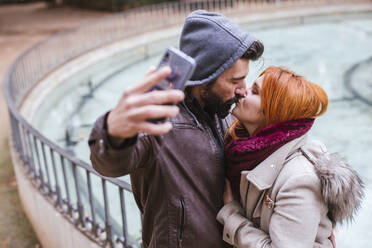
x,y
177,178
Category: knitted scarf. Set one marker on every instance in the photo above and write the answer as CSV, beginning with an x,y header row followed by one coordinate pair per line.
x,y
246,152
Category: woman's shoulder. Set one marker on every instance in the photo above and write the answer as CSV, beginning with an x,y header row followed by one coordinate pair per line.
x,y
299,170
340,185
301,162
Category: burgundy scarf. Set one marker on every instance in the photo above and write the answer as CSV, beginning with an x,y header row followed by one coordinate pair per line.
x,y
247,151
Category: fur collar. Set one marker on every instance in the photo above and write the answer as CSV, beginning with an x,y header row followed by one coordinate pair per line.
x,y
342,188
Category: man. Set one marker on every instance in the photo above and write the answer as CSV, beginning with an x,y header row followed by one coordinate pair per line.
x,y
177,167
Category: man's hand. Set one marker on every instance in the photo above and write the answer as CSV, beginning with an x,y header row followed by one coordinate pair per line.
x,y
137,105
227,195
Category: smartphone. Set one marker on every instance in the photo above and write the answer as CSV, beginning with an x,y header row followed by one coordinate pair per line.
x,y
182,67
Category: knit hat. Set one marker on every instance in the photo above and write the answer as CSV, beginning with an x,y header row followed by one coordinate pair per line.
x,y
215,43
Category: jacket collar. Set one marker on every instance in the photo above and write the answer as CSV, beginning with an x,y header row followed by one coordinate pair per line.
x,y
265,173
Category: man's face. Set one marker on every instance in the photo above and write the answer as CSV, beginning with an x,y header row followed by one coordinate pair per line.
x,y
228,87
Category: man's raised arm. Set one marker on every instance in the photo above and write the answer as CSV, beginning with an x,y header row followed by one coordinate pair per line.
x,y
116,147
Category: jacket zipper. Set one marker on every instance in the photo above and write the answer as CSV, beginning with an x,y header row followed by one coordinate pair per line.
x,y
182,222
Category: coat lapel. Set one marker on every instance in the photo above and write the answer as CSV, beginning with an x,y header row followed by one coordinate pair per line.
x,y
264,174
254,183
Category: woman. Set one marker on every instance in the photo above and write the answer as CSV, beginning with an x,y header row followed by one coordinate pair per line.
x,y
286,191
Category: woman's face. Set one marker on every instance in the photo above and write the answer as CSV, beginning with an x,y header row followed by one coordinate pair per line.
x,y
248,109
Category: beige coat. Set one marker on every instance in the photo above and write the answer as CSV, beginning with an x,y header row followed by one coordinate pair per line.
x,y
285,200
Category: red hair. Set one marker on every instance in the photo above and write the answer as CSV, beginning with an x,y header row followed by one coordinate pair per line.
x,y
286,96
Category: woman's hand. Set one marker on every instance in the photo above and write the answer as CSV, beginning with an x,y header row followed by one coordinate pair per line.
x,y
227,195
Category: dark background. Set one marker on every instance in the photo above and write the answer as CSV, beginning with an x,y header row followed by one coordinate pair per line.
x,y
108,5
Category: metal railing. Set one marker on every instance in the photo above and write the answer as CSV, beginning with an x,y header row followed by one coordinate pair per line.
x,y
54,170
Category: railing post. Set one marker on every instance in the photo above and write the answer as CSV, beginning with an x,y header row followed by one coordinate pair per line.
x,y
15,133
27,156
108,226
22,143
58,189
32,158
80,206
69,209
91,203
39,164
49,185
123,216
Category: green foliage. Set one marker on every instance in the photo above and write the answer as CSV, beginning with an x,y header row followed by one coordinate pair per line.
x,y
16,1
111,5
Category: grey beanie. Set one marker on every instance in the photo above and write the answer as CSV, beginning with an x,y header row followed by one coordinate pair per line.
x,y
215,43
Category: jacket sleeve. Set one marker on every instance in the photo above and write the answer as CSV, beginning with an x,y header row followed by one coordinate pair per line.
x,y
294,222
114,157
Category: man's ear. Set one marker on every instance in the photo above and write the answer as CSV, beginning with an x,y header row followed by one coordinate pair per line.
x,y
197,90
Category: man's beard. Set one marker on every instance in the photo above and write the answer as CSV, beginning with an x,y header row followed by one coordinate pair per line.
x,y
214,104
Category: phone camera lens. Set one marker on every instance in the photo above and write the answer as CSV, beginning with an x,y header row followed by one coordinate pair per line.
x,y
166,56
